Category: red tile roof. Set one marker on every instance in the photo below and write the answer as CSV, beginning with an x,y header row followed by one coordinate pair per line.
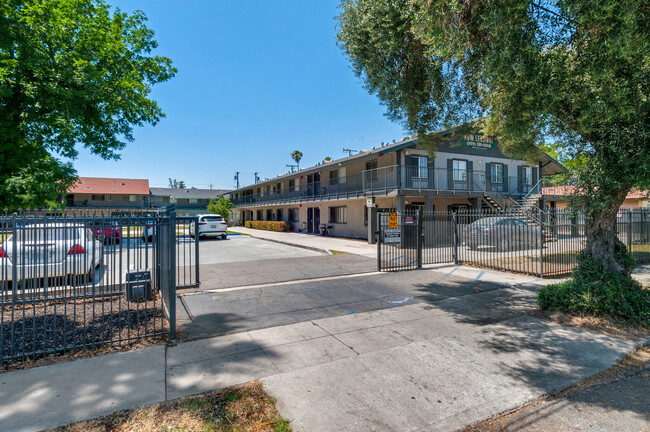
x,y
568,190
116,186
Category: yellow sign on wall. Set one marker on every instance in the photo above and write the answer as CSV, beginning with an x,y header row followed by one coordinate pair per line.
x,y
392,220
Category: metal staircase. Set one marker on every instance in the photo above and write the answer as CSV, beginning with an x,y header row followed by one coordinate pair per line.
x,y
526,208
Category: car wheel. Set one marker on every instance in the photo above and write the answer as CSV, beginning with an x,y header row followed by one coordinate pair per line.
x,y
224,236
191,235
150,238
504,245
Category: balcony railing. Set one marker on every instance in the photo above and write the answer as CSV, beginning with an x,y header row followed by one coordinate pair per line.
x,y
382,181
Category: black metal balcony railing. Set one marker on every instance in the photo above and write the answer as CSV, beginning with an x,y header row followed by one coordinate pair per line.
x,y
382,181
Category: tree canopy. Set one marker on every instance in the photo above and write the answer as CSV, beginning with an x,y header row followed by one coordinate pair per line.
x,y
222,207
72,72
572,72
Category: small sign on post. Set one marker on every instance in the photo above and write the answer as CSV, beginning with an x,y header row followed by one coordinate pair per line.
x,y
408,220
369,203
392,236
392,220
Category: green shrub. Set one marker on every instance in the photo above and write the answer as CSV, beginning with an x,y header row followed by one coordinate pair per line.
x,y
596,291
270,225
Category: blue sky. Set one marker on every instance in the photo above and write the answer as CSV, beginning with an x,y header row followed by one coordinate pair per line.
x,y
256,80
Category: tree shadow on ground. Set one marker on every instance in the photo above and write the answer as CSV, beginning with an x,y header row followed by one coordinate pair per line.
x,y
539,354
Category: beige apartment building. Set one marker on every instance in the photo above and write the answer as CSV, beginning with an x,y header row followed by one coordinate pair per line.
x,y
468,172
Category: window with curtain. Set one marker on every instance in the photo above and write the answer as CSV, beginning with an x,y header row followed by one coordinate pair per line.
x,y
422,167
527,173
460,170
338,215
496,173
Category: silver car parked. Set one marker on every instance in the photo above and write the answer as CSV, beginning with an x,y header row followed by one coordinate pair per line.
x,y
50,250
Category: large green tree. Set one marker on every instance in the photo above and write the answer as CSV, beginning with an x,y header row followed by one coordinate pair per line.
x,y
576,72
72,73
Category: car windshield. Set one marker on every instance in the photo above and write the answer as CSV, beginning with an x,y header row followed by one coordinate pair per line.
x,y
39,234
213,218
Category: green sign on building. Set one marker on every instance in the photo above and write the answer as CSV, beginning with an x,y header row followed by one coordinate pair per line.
x,y
478,141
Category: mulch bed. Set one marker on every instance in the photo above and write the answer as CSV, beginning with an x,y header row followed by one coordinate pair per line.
x,y
41,330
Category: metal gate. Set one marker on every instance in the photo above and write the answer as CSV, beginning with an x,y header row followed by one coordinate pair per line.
x,y
399,242
71,280
187,252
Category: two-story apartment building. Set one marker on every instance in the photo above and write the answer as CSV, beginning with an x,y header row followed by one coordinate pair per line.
x,y
109,193
467,172
186,201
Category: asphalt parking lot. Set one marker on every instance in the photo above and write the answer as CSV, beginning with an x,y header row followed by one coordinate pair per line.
x,y
239,248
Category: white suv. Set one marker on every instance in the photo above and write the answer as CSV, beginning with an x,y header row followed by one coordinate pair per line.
x,y
211,225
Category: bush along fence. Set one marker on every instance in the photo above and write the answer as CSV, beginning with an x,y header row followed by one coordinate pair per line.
x,y
543,243
75,280
280,226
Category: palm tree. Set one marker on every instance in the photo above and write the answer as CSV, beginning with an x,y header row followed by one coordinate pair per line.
x,y
327,159
297,155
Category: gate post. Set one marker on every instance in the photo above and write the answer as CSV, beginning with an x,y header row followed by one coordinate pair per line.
x,y
541,243
378,232
418,214
196,248
172,275
454,226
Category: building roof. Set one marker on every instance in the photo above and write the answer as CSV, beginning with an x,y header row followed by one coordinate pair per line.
x,y
114,186
565,191
188,193
549,165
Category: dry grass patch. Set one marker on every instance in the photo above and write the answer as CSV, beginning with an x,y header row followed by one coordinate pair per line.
x,y
336,252
245,408
606,325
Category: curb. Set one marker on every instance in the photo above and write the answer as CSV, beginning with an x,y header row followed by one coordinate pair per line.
x,y
312,248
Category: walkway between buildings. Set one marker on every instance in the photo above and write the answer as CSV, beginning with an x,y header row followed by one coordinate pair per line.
x,y
313,241
457,356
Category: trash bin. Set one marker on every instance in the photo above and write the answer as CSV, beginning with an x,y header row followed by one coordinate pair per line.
x,y
138,285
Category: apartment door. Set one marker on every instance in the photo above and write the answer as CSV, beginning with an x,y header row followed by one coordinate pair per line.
x,y
310,220
313,219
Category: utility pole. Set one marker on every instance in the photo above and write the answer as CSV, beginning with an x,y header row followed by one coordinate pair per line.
x,y
237,179
349,151
210,186
292,167
257,178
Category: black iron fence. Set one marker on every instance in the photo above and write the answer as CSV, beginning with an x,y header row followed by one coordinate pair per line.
x,y
528,241
71,280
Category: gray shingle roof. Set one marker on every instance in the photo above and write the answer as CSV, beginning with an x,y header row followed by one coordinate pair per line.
x,y
188,193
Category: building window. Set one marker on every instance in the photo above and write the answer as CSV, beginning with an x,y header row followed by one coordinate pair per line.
x,y
293,215
371,167
259,215
98,197
279,215
527,173
193,200
460,170
172,200
496,173
133,198
422,167
334,177
338,215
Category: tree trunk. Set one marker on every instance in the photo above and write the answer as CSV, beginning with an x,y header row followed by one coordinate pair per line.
x,y
601,232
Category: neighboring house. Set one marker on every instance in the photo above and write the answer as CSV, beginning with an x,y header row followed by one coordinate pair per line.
x,y
467,173
109,193
558,197
186,201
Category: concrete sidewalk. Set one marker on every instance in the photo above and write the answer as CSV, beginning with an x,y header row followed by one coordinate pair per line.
x,y
313,241
420,366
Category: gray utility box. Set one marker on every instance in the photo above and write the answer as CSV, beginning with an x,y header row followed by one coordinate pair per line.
x,y
138,285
